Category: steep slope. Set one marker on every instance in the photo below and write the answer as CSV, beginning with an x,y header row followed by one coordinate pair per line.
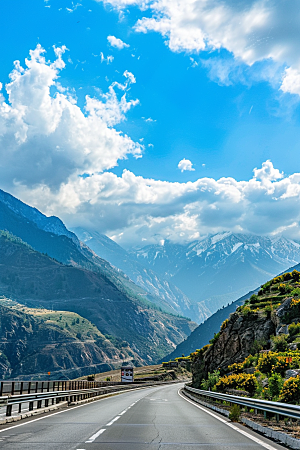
x,y
40,281
50,236
206,330
141,275
33,343
261,323
222,267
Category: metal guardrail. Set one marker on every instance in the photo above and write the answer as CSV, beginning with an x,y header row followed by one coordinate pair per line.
x,y
38,398
266,406
22,387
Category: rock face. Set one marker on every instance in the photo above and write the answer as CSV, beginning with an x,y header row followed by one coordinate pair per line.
x,y
39,281
236,340
268,320
31,347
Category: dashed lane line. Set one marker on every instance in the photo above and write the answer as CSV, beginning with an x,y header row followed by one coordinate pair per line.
x,y
92,438
112,421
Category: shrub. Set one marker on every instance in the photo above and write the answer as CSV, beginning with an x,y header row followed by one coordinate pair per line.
x,y
275,385
296,292
285,288
257,346
234,413
294,328
211,381
268,311
254,299
290,392
266,362
296,275
242,381
215,338
279,342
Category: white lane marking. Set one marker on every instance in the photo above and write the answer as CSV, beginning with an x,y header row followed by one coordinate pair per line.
x,y
123,412
92,438
74,407
229,424
112,421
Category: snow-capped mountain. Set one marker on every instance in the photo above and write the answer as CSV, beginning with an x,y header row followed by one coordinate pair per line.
x,y
220,268
142,276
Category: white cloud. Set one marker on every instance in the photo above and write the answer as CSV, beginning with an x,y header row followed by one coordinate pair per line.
x,y
108,60
129,76
252,31
185,164
117,43
133,208
45,137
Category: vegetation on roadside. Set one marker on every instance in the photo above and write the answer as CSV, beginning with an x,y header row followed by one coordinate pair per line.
x,y
264,372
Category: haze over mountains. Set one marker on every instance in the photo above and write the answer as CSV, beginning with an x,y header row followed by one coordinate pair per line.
x,y
77,280
127,295
220,268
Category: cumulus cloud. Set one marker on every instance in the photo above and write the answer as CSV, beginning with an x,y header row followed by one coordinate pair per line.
x,y
117,43
133,209
252,31
45,137
185,164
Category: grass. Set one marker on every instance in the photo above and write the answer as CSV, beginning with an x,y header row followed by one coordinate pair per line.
x,y
72,323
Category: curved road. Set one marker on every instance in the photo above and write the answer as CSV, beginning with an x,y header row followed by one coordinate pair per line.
x,y
147,419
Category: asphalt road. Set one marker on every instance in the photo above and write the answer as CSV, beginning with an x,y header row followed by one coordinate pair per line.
x,y
147,419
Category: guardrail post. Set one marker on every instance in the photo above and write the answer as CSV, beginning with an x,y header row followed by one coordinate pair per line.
x,y
29,386
1,388
30,406
36,386
21,388
8,410
39,404
46,402
277,418
12,388
20,408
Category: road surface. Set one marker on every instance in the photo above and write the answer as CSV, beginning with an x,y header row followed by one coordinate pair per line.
x,y
147,419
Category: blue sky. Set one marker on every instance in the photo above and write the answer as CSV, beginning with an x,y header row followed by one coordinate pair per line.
x,y
224,97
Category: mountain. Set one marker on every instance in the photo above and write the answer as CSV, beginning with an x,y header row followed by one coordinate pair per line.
x,y
50,236
222,267
34,342
268,320
144,277
206,331
36,280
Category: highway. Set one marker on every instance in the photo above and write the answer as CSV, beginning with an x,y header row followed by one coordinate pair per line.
x,y
147,419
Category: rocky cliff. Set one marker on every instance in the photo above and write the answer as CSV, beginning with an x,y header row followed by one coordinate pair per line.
x,y
261,324
32,343
39,281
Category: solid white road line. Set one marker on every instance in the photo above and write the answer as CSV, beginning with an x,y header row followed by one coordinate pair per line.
x,y
229,424
92,438
112,421
73,407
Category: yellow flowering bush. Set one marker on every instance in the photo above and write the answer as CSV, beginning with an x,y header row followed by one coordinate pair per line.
x,y
278,362
295,302
290,392
243,381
